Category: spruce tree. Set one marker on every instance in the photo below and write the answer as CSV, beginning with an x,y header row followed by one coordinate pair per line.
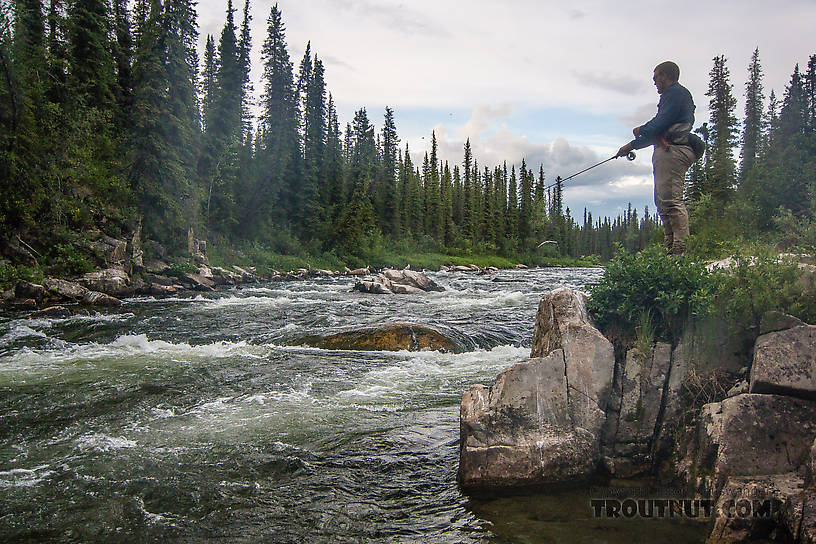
x,y
752,123
722,128
390,199
278,126
91,66
467,192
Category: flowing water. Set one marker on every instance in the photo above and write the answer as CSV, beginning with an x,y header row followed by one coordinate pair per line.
x,y
191,419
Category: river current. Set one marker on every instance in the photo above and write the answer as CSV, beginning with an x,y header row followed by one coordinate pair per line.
x,y
194,419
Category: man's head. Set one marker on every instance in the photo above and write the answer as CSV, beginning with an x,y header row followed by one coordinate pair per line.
x,y
665,74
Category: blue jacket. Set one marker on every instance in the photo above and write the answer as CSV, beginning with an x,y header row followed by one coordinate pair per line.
x,y
675,106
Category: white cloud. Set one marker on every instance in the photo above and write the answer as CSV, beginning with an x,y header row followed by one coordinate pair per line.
x,y
528,55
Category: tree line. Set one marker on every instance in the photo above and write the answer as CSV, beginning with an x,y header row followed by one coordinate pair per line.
x,y
758,176
110,120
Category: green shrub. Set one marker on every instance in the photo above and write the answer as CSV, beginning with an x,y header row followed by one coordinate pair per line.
x,y
759,283
178,269
650,283
11,274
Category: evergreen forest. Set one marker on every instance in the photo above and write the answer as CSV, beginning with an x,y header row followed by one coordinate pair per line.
x,y
110,121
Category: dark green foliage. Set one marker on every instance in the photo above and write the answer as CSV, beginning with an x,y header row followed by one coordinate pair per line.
x,y
752,124
668,289
722,134
102,126
760,283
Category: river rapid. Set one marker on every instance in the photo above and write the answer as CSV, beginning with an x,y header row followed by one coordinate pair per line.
x,y
193,419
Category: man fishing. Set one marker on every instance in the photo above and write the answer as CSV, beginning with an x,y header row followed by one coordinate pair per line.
x,y
669,132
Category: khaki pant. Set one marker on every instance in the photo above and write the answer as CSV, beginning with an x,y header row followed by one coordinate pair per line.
x,y
669,174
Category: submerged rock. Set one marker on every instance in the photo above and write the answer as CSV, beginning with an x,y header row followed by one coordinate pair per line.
x,y
53,312
391,337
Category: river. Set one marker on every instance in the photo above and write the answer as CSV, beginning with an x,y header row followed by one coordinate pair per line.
x,y
192,419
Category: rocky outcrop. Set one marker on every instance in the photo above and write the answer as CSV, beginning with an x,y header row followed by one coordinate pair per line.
x,y
401,282
753,441
635,409
753,435
29,290
391,337
66,290
755,509
541,421
785,363
519,431
111,281
562,323
111,250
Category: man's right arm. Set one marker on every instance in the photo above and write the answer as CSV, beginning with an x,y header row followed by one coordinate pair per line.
x,y
668,110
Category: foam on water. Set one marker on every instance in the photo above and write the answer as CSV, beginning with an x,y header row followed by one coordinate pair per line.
x,y
103,442
476,298
17,331
23,477
424,372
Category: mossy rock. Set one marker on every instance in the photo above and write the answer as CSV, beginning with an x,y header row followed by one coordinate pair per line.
x,y
389,337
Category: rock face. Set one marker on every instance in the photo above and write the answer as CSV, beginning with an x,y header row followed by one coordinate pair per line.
x,y
391,337
519,431
785,363
781,494
111,281
541,421
401,282
752,435
634,409
562,323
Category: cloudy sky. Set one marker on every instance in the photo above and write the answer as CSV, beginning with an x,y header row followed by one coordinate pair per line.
x,y
558,83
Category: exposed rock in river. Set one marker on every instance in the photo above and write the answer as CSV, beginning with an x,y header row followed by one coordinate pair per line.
x,y
574,409
541,421
390,337
111,281
401,282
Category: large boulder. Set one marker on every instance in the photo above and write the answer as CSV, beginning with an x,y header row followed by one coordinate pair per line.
x,y
401,282
752,435
412,278
519,431
111,281
751,509
391,337
541,421
94,298
198,282
785,363
563,323
66,290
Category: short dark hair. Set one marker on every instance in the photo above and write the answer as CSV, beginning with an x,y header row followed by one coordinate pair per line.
x,y
669,69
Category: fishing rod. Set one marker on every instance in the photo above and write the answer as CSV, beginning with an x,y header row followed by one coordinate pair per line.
x,y
631,156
